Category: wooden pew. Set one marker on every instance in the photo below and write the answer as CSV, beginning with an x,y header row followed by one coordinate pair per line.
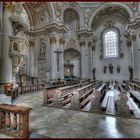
x,y
81,96
121,105
61,95
98,97
104,103
136,96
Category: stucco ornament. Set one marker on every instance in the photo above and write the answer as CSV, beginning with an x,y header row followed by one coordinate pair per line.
x,y
130,37
58,8
9,6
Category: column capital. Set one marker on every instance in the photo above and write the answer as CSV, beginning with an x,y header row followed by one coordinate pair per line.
x,y
9,6
53,40
62,41
82,43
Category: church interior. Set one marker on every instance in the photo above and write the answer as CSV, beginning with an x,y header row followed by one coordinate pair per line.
x,y
69,69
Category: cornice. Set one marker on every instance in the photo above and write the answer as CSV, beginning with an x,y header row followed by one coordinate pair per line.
x,y
84,33
53,27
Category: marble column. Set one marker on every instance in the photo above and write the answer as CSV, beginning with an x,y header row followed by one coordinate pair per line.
x,y
90,60
61,48
53,46
83,59
6,64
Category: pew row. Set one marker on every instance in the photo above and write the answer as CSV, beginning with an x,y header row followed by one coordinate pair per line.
x,y
80,97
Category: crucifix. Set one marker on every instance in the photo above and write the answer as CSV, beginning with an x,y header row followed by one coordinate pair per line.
x,y
58,53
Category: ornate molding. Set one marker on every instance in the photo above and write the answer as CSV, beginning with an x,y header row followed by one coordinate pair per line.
x,y
109,11
9,6
109,24
16,27
130,37
135,24
82,44
53,27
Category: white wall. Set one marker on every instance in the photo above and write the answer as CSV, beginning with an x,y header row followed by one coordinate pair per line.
x,y
122,62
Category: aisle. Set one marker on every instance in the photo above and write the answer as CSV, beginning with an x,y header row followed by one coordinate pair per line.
x,y
60,123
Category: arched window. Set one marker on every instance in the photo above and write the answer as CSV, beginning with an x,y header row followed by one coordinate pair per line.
x,y
110,43
71,19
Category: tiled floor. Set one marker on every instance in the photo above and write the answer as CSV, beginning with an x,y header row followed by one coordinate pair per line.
x,y
49,122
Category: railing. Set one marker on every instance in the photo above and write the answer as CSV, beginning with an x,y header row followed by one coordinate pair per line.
x,y
15,92
32,88
14,120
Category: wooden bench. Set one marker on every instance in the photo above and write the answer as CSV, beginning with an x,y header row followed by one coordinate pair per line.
x,y
136,96
104,103
81,96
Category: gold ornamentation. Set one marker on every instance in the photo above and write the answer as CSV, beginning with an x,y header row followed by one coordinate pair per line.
x,y
109,24
52,40
9,6
32,43
58,7
82,44
61,41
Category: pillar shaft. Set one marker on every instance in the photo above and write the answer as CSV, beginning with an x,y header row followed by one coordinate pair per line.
x,y
6,69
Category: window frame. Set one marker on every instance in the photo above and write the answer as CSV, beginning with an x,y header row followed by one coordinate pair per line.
x,y
118,42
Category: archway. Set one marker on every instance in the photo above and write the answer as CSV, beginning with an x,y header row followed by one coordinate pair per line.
x,y
72,63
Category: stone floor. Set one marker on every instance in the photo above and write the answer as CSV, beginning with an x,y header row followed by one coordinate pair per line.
x,y
49,122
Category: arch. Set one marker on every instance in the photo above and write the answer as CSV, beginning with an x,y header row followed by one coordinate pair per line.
x,y
78,10
30,12
71,19
72,63
124,7
110,37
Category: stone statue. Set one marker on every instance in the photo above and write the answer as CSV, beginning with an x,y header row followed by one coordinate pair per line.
x,y
93,71
111,68
131,73
118,69
105,67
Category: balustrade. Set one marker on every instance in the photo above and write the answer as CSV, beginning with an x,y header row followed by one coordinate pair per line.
x,y
14,120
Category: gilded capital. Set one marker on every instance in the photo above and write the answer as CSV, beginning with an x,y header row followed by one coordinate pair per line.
x,y
31,43
53,40
89,44
61,41
82,44
9,6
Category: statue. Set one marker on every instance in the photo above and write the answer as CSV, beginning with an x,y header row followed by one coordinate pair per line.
x,y
118,69
93,71
105,69
111,68
131,73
